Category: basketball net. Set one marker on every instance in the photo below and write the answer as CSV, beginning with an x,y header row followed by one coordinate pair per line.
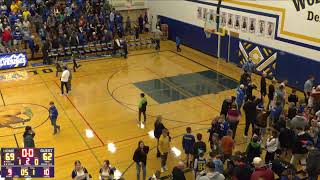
x,y
210,25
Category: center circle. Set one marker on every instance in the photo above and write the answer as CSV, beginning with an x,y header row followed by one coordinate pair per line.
x,y
15,117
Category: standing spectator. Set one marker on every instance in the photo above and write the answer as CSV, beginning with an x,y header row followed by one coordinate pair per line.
x,y
292,111
142,108
215,144
240,96
313,165
286,139
69,80
249,90
199,146
45,53
251,114
157,37
178,42
262,121
299,152
253,149
293,98
53,114
106,172
275,113
64,80
260,171
245,79
32,46
227,145
299,121
128,26
249,66
216,159
226,105
271,147
233,118
79,172
28,136
140,158
177,172
263,85
158,127
271,90
140,22
188,141
280,95
210,173
164,148
241,170
6,37
308,85
17,38
75,65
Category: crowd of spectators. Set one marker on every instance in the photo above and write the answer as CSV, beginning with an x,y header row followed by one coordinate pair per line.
x,y
38,24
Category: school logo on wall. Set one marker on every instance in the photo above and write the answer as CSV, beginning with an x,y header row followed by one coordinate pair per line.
x,y
264,58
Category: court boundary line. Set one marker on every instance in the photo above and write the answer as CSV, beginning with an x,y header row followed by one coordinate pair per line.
x,y
83,118
15,138
68,117
4,103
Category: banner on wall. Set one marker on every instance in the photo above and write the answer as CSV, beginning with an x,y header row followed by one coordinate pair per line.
x,y
13,60
264,58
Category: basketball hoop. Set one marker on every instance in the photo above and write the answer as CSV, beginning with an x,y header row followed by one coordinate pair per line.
x,y
208,33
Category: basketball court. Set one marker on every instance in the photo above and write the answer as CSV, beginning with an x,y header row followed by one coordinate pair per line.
x,y
99,119
187,89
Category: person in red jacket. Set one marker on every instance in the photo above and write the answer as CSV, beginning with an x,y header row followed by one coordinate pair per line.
x,y
6,37
261,171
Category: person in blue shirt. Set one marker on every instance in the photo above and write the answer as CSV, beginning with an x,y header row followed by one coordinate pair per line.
x,y
240,96
178,42
17,38
248,66
188,141
53,115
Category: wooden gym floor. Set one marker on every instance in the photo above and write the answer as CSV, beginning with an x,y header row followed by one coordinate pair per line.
x,y
104,100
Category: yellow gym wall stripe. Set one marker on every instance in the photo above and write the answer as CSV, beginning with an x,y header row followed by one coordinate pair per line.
x,y
265,51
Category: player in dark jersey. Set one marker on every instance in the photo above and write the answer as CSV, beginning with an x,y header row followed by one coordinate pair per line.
x,y
188,141
199,164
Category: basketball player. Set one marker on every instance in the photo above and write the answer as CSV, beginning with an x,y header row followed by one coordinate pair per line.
x,y
53,114
199,164
142,108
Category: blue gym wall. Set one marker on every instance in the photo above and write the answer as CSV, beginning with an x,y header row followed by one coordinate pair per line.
x,y
289,67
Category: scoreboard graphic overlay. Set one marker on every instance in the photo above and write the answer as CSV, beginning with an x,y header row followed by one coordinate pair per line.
x,y
27,162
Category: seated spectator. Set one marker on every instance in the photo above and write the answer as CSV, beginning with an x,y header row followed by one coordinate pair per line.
x,y
261,171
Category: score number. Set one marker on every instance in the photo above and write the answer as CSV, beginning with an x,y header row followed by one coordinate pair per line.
x,y
9,156
47,156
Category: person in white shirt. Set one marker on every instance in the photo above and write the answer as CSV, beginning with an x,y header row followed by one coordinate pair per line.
x,y
64,79
271,147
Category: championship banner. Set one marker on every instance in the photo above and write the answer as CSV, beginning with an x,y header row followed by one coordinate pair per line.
x,y
13,60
